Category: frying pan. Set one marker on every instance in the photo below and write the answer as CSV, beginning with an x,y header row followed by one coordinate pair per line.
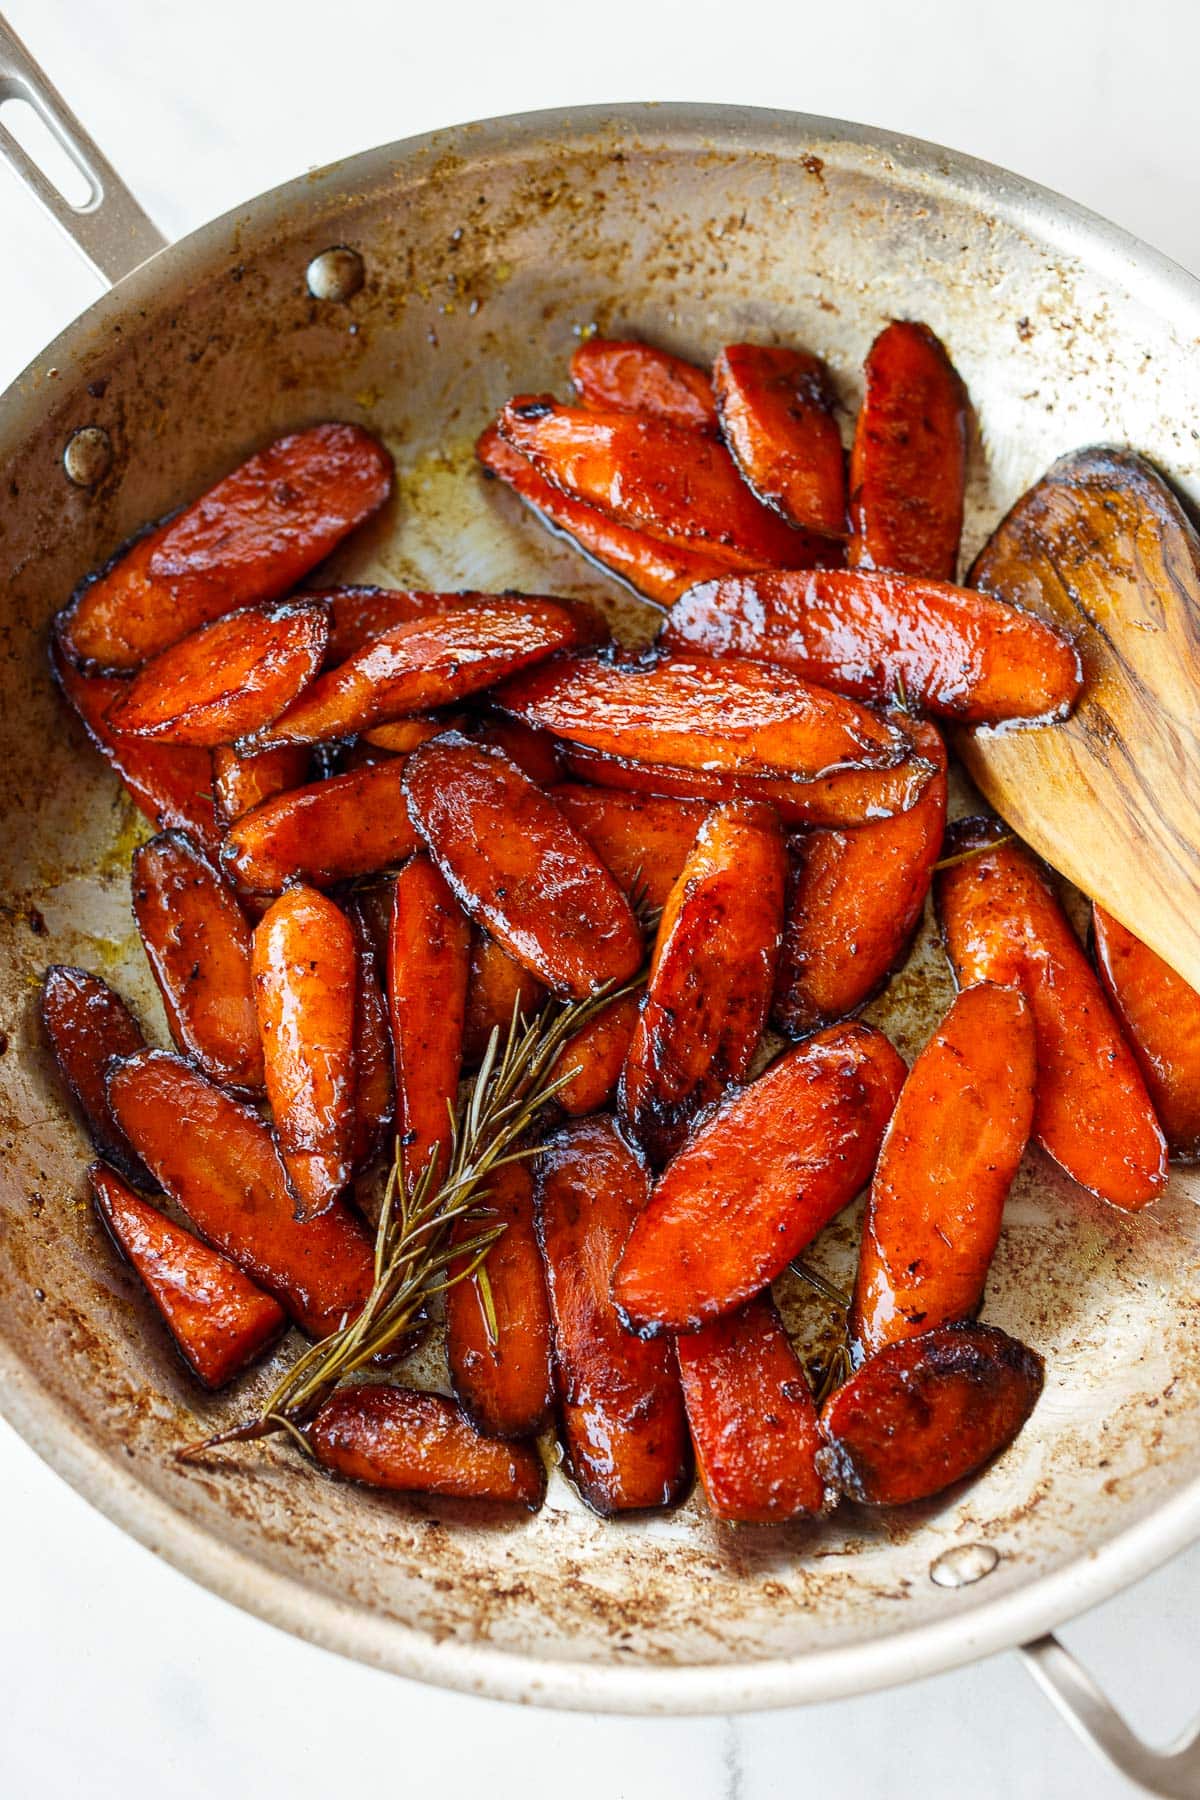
x,y
413,288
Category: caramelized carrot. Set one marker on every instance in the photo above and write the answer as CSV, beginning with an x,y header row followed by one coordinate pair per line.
x,y
1002,923
776,409
243,782
498,1334
86,1025
198,943
908,464
533,751
1160,1014
374,1090
623,375
642,840
758,1180
595,1056
216,1159
927,1411
220,1321
429,959
497,986
305,981
621,1408
752,1418
854,899
249,538
415,1443
329,831
519,868
872,634
948,1159
359,615
400,736
711,977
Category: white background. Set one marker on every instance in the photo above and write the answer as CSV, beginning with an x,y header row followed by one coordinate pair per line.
x,y
118,1677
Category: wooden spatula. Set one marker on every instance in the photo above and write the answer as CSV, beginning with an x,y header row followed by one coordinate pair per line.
x,y
1112,797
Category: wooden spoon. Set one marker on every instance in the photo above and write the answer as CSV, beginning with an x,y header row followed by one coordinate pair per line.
x,y
1111,797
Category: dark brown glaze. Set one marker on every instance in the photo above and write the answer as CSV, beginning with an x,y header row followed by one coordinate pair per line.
x,y
777,417
329,831
642,840
429,959
1160,1014
497,988
243,782
374,1086
595,1056
86,1025
624,375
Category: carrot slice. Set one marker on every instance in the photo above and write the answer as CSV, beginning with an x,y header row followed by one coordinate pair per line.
x,y
429,960
758,1180
519,868
908,464
400,736
958,653
1002,923
854,899
243,782
216,1159
641,839
927,1411
220,1321
497,986
170,783
326,832
533,751
500,1361
624,375
86,1025
711,977
595,1056
359,615
1161,1017
415,1443
776,409
374,1088
198,942
696,712
622,1415
752,1418
305,982
948,1159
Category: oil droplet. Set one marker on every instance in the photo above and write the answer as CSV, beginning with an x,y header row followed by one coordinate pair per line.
x,y
963,1564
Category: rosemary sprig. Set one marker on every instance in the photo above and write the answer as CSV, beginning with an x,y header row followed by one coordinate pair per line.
x,y
840,1362
962,856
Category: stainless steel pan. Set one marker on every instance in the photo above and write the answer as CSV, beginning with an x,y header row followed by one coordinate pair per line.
x,y
466,263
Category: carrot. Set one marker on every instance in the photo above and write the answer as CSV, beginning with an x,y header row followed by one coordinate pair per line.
x,y
216,1159
908,464
1001,922
1160,1015
359,615
758,1180
927,1411
249,538
198,942
623,375
642,840
854,899
533,751
243,782
219,1320
497,986
415,1443
948,1160
958,653
776,409
374,1090
399,736
621,1409
429,951
519,868
86,1025
595,1056
326,832
752,1418
711,977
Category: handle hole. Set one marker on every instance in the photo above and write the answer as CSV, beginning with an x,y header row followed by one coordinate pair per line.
x,y
40,144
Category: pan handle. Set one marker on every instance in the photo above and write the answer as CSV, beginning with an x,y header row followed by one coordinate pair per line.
x,y
1173,1773
110,228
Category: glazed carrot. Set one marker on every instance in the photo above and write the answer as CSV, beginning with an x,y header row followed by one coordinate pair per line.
x,y
228,678
927,1411
216,1159
1160,1014
519,868
500,1365
948,1159
1002,923
641,839
220,1321
776,409
358,615
623,375
243,782
326,832
400,736
957,653
711,977
86,1024
496,987
416,1443
374,1088
854,899
429,959
621,1408
170,783
752,1418
249,538
305,992
198,942
595,1057
758,1180
696,712
533,751
908,464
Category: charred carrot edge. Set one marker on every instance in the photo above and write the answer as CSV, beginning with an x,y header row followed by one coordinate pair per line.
x,y
776,412
625,375
429,956
1160,1015
329,831
86,1024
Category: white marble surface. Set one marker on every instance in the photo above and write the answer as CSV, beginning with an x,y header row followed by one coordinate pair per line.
x,y
119,1677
